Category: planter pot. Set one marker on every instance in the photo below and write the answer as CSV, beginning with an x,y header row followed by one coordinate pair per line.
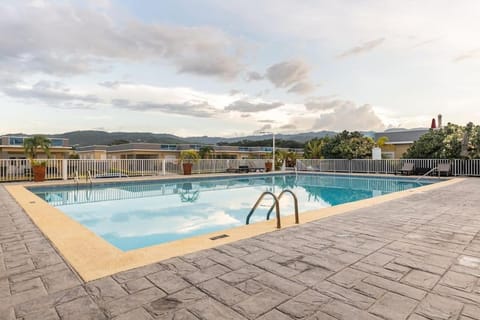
x,y
38,173
268,166
187,168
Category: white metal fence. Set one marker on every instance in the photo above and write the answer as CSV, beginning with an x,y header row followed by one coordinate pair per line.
x,y
388,166
20,170
56,169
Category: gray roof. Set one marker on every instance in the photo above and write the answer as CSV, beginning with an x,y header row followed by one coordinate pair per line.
x,y
92,148
142,146
402,135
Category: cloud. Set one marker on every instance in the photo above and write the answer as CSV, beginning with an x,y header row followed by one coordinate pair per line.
x,y
326,103
302,88
266,121
265,127
344,115
199,109
52,94
364,47
246,106
288,126
234,92
65,39
425,42
473,54
254,76
112,84
294,75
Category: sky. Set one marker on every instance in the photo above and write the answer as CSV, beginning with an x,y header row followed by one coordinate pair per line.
x,y
230,68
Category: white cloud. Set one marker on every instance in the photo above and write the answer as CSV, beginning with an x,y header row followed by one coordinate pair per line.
x,y
362,48
52,94
62,39
293,74
247,106
200,109
344,115
472,54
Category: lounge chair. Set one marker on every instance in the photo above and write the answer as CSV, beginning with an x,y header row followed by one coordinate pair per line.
x,y
243,169
240,169
407,168
254,168
444,168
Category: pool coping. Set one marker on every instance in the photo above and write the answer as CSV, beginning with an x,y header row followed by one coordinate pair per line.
x,y
93,257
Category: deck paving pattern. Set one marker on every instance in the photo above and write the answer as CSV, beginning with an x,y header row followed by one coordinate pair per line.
x,y
413,258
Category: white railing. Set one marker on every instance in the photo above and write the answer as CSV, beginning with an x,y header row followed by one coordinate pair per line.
x,y
20,170
459,167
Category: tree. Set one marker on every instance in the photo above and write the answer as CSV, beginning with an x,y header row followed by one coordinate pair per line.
x,y
313,148
205,152
450,142
119,141
291,159
35,144
348,145
381,141
188,156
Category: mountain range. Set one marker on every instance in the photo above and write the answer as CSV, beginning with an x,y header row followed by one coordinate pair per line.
x,y
95,137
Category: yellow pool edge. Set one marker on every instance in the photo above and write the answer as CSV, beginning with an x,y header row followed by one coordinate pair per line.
x,y
94,258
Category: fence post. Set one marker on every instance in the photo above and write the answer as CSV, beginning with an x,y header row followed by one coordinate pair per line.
x,y
163,167
65,169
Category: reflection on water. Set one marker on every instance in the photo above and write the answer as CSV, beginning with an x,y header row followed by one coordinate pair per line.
x,y
136,215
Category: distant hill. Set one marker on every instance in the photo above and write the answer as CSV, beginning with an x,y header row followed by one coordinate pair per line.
x,y
94,137
298,137
91,137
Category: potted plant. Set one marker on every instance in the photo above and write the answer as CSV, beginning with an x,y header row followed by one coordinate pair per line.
x,y
268,166
187,158
32,146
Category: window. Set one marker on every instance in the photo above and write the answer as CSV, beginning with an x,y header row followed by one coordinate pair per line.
x,y
15,141
56,142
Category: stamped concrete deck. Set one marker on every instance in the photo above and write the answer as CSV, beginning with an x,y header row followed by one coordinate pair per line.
x,y
413,258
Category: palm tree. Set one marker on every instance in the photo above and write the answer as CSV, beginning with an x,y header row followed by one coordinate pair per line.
x,y
381,141
33,145
280,156
313,149
205,152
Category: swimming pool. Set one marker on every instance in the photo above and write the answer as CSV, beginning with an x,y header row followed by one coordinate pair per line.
x,y
133,215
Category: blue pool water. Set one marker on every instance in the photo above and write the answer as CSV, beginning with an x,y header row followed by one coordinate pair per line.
x,y
132,215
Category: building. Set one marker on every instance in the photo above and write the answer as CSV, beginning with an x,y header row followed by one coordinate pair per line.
x,y
11,147
170,151
399,141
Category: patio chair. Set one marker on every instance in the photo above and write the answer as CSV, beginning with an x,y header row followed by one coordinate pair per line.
x,y
232,170
407,168
254,168
243,169
444,168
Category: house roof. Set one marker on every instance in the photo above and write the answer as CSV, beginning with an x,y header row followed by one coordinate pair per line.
x,y
402,136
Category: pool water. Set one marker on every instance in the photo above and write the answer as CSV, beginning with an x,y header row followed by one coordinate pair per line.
x,y
132,215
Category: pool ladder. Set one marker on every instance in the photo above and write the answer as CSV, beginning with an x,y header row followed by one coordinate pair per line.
x,y
426,173
88,178
276,206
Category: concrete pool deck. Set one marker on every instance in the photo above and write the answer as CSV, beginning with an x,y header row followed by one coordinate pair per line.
x,y
416,257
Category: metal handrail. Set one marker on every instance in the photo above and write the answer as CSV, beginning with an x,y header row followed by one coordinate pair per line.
x,y
295,201
88,178
276,205
76,179
426,173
